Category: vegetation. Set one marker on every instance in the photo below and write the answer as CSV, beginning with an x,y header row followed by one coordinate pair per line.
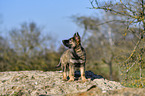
x,y
131,14
28,49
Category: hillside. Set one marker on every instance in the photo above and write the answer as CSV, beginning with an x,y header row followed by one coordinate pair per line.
x,y
36,83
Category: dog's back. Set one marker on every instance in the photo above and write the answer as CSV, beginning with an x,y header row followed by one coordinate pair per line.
x,y
65,58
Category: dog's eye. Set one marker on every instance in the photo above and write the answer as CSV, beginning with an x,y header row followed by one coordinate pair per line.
x,y
71,40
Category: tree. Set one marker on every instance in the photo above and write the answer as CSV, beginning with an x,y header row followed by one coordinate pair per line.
x,y
32,48
133,15
96,42
132,12
28,39
3,54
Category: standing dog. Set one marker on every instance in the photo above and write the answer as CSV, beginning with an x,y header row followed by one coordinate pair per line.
x,y
74,57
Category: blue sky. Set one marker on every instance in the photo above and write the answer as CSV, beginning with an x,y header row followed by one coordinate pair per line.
x,y
54,15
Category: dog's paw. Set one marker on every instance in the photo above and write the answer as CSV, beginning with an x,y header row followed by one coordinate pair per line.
x,y
84,79
71,79
64,79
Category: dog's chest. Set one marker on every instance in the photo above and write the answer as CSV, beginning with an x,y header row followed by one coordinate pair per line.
x,y
77,57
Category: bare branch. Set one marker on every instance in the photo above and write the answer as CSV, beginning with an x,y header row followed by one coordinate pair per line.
x,y
130,67
133,51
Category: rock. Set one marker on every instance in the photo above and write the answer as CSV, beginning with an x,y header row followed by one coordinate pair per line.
x,y
117,92
35,83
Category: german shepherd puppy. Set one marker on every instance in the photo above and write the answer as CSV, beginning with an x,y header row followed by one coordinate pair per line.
x,y
74,57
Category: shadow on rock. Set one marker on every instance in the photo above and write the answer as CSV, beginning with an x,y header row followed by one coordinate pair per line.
x,y
88,74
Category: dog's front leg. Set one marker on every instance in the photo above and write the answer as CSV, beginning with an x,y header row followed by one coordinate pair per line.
x,y
82,70
71,72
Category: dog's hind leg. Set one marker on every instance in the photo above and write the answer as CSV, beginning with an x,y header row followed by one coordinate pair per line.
x,y
64,73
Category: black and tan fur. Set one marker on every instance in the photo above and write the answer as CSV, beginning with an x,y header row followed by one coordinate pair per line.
x,y
73,58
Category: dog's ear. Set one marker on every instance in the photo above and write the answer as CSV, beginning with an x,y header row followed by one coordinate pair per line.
x,y
66,43
78,34
77,37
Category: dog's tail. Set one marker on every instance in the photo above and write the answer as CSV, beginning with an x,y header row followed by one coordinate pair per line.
x,y
58,65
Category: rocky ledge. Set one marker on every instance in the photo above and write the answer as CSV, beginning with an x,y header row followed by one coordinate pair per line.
x,y
35,83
